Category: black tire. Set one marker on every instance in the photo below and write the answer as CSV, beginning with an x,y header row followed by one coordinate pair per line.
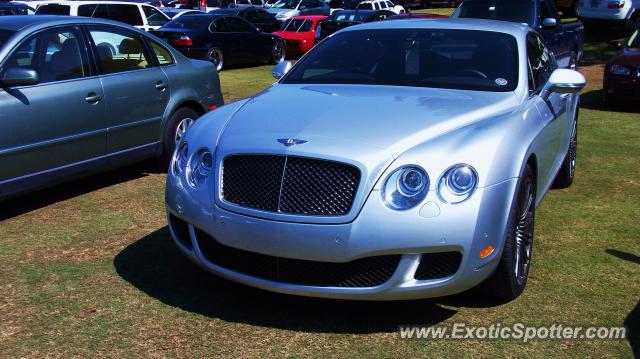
x,y
278,52
169,138
216,56
510,277
564,178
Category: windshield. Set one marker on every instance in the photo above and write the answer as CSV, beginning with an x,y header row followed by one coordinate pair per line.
x,y
297,25
286,4
634,40
366,6
53,9
455,59
4,36
505,10
192,22
348,17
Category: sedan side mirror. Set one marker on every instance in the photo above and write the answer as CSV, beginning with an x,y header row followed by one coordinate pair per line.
x,y
563,81
16,76
281,69
549,22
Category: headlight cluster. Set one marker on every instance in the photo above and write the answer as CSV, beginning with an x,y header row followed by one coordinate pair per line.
x,y
197,167
407,186
619,70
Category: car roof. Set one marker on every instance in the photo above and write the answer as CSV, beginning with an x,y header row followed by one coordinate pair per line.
x,y
507,27
360,11
21,22
310,17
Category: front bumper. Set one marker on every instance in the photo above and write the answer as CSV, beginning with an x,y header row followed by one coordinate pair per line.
x,y
377,231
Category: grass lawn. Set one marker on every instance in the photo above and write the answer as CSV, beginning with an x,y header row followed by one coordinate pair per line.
x,y
88,269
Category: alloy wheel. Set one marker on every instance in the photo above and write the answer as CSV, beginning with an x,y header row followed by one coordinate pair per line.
x,y
573,150
524,233
182,128
215,56
277,52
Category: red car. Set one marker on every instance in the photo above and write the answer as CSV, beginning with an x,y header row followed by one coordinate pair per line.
x,y
622,73
299,33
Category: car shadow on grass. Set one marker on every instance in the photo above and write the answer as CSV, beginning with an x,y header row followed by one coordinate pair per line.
x,y
154,265
632,322
25,203
592,100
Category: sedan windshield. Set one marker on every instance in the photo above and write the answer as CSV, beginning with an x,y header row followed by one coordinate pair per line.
x,y
4,36
286,4
297,25
454,59
504,10
192,22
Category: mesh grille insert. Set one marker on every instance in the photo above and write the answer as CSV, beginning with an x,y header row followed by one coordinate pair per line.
x,y
438,265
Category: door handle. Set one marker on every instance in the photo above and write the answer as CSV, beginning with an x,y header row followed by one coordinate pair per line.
x,y
565,95
92,97
160,85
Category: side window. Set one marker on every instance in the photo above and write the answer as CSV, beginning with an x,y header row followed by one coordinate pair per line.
x,y
251,15
162,54
256,2
128,14
238,25
53,9
154,17
218,26
55,54
541,63
119,50
94,10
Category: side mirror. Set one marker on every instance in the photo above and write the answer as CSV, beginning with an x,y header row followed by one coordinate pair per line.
x,y
281,69
563,81
16,76
549,22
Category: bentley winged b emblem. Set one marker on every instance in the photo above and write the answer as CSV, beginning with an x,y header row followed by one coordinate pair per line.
x,y
291,141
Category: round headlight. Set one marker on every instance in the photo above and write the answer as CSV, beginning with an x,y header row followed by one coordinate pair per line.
x,y
405,188
199,168
457,183
180,157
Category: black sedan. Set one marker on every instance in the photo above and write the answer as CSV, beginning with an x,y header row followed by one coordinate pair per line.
x,y
257,16
222,40
344,18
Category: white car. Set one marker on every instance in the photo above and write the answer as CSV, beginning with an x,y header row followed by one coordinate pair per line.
x,y
381,5
142,16
622,11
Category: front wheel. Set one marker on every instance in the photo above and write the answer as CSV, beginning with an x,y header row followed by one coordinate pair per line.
x,y
510,278
278,52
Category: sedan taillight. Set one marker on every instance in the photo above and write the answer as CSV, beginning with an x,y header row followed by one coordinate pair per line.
x,y
182,41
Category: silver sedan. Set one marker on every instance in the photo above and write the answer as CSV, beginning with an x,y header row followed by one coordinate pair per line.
x,y
396,160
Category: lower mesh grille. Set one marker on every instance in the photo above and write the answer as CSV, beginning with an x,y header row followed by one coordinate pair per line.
x,y
438,265
365,272
181,230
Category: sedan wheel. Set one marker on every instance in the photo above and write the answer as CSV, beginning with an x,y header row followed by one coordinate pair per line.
x,y
278,52
524,236
182,128
215,55
564,178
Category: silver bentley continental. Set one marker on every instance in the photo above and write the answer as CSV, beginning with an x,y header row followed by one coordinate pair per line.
x,y
395,160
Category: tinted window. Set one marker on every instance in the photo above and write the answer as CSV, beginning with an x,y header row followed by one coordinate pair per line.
x,y
119,50
13,10
94,10
55,54
162,54
297,25
128,14
194,22
4,36
505,10
256,2
53,9
457,59
219,26
541,63
368,6
238,25
154,17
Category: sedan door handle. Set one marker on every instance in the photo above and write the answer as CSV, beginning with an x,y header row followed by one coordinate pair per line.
x,y
160,85
92,97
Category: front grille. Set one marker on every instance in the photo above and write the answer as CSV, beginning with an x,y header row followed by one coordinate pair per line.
x,y
288,184
365,272
438,265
